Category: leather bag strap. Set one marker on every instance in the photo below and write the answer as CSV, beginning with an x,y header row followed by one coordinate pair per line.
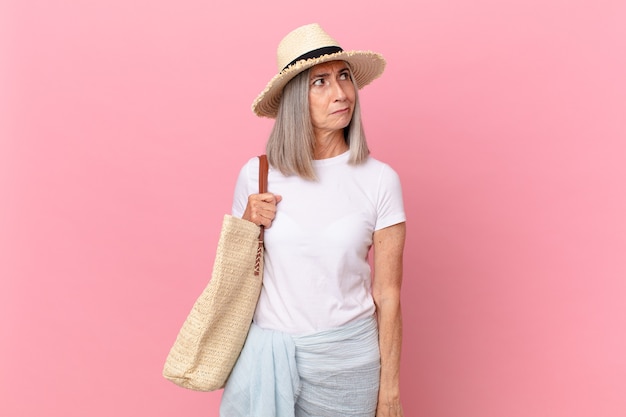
x,y
263,170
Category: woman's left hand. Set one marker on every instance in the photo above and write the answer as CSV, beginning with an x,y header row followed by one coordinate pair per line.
x,y
388,407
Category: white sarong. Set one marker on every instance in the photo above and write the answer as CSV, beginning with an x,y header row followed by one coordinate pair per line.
x,y
333,373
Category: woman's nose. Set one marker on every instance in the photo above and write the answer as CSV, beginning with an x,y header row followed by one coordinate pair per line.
x,y
339,92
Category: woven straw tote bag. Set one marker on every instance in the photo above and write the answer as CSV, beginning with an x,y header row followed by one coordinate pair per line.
x,y
211,338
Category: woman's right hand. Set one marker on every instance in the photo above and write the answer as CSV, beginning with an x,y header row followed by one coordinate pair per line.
x,y
261,208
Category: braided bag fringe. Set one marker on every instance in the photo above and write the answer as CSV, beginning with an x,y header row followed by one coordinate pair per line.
x,y
212,336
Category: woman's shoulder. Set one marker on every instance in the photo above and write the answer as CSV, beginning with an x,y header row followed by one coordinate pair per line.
x,y
377,165
253,162
250,166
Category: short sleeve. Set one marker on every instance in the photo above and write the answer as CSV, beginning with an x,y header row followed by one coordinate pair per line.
x,y
247,183
390,205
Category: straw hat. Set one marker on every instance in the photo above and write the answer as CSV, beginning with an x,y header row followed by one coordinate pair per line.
x,y
304,48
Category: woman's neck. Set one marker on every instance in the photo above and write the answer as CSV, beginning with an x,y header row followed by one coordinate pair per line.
x,y
329,145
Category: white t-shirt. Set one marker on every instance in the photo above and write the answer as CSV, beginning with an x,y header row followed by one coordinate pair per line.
x,y
316,274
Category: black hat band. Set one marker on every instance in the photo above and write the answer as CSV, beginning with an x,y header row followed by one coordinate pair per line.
x,y
316,53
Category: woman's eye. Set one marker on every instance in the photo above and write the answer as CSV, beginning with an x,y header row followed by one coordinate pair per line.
x,y
319,81
344,76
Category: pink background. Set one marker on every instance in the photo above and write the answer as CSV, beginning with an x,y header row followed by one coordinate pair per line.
x,y
124,124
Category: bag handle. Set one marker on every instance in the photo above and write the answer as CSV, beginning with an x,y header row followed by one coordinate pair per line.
x,y
263,170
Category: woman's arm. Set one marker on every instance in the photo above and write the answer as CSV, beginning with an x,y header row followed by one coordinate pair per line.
x,y
388,249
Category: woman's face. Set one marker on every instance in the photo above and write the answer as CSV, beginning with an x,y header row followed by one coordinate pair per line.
x,y
331,96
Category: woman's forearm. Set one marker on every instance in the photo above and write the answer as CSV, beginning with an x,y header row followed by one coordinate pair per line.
x,y
390,343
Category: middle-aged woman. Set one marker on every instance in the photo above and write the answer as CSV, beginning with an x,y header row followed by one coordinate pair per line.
x,y
326,335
